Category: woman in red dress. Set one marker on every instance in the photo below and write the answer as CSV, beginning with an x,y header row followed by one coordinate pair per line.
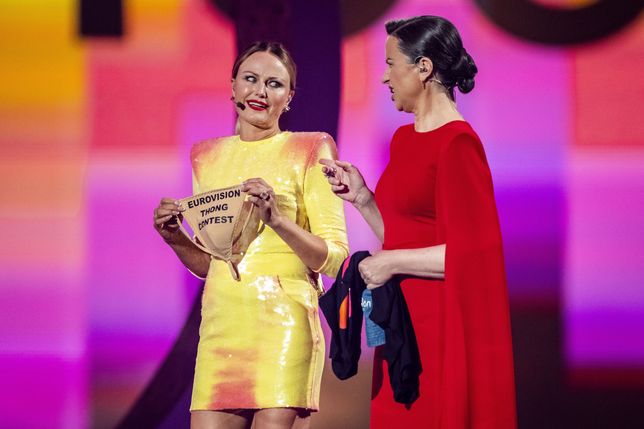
x,y
435,214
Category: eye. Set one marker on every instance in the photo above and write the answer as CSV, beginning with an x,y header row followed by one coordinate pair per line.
x,y
250,78
275,84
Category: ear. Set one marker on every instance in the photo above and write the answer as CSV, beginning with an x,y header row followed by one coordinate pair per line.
x,y
425,68
291,94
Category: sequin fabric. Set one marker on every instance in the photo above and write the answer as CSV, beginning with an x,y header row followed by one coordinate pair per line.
x,y
261,344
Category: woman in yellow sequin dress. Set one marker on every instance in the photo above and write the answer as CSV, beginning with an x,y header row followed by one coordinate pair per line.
x,y
261,347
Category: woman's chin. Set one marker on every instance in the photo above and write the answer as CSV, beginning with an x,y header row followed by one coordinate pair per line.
x,y
401,107
259,122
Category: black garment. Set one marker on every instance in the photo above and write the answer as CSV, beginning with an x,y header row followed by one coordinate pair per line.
x,y
343,312
389,311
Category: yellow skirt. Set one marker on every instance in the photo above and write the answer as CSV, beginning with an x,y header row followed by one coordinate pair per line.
x,y
261,344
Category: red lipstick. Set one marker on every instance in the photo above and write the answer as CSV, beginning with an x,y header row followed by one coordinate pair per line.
x,y
257,105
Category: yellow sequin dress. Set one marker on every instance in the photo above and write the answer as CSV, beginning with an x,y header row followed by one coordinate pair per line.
x,y
261,344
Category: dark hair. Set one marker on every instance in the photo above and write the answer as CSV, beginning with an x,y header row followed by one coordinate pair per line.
x,y
437,39
274,48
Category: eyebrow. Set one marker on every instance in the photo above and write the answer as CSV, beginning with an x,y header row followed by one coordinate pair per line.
x,y
255,74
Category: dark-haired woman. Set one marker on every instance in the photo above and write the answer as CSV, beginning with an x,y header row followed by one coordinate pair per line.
x,y
434,211
261,348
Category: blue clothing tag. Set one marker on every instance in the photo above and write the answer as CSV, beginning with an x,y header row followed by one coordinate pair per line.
x,y
375,334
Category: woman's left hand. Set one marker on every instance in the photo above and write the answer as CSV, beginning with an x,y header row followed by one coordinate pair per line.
x,y
263,196
376,269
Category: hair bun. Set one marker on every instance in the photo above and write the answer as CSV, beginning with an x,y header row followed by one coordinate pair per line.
x,y
464,70
465,85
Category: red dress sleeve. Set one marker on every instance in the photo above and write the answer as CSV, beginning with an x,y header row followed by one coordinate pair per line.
x,y
474,269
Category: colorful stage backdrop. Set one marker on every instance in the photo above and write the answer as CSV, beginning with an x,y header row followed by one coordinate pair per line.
x,y
94,131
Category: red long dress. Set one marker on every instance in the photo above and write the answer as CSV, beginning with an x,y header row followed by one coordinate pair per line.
x,y
436,189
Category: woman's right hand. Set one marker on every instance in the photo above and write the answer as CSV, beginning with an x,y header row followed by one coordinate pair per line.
x,y
166,216
346,181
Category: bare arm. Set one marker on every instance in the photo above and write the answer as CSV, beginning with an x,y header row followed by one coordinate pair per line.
x,y
422,262
347,183
165,223
426,262
366,205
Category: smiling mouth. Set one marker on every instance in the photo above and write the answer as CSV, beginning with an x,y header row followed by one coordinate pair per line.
x,y
257,105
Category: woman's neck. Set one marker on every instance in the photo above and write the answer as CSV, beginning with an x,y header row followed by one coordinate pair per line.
x,y
249,132
434,109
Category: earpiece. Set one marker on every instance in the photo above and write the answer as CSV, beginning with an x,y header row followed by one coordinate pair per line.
x,y
238,103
